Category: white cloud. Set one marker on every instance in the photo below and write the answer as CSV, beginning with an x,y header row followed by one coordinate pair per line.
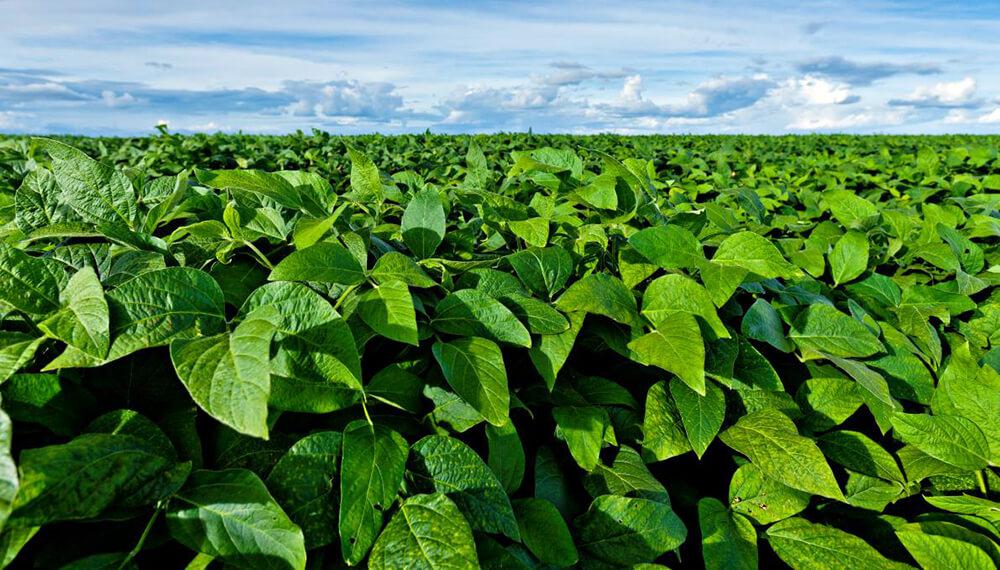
x,y
344,98
960,93
111,99
964,117
990,118
830,120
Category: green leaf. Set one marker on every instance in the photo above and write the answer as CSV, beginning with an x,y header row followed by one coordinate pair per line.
x,y
762,499
802,544
728,540
762,322
538,316
395,266
677,348
256,182
629,530
29,284
314,360
774,445
96,191
228,375
583,428
601,294
824,329
550,351
470,312
427,532
83,478
676,293
849,257
366,182
446,465
544,270
545,533
936,551
851,210
534,231
858,452
325,262
670,247
952,439
702,416
9,480
16,351
371,471
506,455
754,253
230,515
302,482
663,434
475,369
423,223
388,310
163,305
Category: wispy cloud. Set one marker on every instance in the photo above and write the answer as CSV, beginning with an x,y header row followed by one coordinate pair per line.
x,y
862,73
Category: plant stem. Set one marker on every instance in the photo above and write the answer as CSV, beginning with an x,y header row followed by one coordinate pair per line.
x,y
260,256
142,538
981,479
343,296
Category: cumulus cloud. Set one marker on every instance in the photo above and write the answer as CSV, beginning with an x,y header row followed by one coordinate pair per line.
x,y
709,99
831,120
964,117
861,73
953,94
344,98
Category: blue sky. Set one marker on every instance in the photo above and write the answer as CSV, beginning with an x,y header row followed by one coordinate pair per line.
x,y
112,67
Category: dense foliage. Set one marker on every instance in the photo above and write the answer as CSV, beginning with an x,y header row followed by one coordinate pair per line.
x,y
510,352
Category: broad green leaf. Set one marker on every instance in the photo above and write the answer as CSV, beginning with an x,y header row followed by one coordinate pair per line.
x,y
754,253
256,182
163,305
427,532
802,544
395,266
366,182
474,368
388,310
96,191
675,293
550,481
849,257
314,360
762,322
423,223
952,439
477,170
228,375
676,348
325,262
966,390
506,455
629,530
16,351
302,482
670,247
534,231
538,316
936,551
550,351
446,465
728,539
762,499
583,428
858,452
851,210
230,515
9,480
662,427
822,328
84,477
544,270
38,202
773,444
83,322
29,284
701,415
371,471
545,533
470,312
600,294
